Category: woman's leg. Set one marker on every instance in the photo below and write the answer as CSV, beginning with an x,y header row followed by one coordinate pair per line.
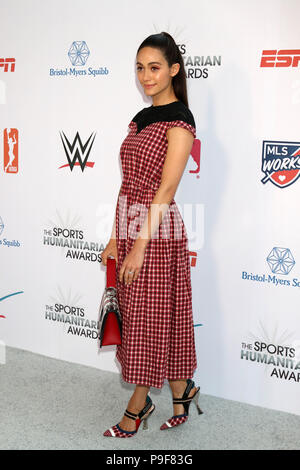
x,y
178,387
135,405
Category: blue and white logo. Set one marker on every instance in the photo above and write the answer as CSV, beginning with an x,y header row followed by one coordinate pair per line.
x,y
4,241
1,226
79,53
281,260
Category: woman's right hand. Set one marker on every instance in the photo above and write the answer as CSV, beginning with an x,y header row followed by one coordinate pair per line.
x,y
110,250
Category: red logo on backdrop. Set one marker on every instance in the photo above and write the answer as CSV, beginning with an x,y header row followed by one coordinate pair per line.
x,y
280,58
8,65
195,153
11,153
193,258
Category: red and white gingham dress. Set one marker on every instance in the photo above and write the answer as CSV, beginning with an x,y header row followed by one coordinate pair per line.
x,y
158,332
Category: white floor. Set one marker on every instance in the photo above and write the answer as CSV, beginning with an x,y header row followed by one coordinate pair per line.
x,y
51,404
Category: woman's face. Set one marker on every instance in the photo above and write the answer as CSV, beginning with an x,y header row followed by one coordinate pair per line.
x,y
153,71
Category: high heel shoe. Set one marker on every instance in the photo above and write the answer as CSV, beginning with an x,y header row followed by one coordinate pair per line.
x,y
185,400
143,415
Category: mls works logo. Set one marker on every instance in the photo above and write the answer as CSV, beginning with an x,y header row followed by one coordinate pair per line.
x,y
77,153
280,162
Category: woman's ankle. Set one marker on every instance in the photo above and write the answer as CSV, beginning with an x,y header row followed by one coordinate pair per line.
x,y
178,387
138,399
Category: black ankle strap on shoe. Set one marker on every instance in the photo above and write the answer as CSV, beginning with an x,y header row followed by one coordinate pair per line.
x,y
185,400
185,397
147,407
130,415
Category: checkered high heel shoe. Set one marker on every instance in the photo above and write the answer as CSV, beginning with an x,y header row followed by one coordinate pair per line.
x,y
185,400
143,415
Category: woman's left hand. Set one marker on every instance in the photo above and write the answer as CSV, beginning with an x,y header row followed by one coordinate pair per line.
x,y
132,262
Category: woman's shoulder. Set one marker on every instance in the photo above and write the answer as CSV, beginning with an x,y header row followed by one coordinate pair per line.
x,y
181,112
139,114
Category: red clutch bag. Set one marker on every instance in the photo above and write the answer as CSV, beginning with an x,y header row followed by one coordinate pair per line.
x,y
110,323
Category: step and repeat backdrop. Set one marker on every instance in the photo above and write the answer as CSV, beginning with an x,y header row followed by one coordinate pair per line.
x,y
68,90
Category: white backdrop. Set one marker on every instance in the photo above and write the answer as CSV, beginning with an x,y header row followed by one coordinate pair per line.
x,y
245,256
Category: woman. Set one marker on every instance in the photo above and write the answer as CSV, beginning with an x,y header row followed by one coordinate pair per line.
x,y
150,245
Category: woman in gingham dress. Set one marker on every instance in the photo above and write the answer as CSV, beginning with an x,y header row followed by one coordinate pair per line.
x,y
150,244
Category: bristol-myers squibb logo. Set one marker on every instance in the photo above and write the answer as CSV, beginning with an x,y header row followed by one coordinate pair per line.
x,y
78,54
280,162
4,241
281,262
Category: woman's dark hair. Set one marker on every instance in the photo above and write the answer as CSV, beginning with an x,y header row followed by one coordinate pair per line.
x,y
168,47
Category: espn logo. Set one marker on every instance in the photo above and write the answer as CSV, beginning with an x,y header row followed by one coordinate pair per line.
x,y
281,58
8,64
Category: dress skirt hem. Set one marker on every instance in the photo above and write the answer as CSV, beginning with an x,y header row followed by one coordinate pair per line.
x,y
155,383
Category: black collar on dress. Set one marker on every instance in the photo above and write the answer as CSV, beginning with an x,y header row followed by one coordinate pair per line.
x,y
174,111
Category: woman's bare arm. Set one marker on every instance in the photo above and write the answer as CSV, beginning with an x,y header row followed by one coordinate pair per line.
x,y
180,142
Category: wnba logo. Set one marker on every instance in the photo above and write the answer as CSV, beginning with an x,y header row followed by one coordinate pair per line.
x,y
11,144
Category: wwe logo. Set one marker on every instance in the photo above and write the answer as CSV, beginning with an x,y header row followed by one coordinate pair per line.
x,y
77,153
